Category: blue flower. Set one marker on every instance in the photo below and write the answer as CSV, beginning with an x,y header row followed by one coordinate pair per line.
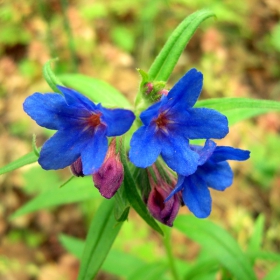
x,y
213,171
170,123
82,128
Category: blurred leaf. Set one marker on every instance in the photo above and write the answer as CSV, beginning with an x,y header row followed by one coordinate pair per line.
x,y
92,11
73,245
133,195
257,236
117,263
12,35
267,256
202,267
97,90
237,109
123,37
76,190
101,235
275,37
50,76
22,161
149,272
217,241
37,180
121,264
274,274
165,62
265,171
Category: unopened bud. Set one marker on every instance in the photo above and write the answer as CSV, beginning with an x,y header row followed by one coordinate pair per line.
x,y
165,212
163,92
110,176
77,168
149,87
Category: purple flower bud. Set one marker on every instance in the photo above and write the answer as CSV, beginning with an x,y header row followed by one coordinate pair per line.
x,y
165,212
149,87
77,168
109,177
163,92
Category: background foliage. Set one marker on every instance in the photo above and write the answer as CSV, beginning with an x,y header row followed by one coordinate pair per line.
x,y
239,56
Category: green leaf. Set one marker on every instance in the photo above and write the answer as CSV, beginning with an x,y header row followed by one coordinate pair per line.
x,y
262,255
35,149
97,90
257,236
117,263
22,161
77,190
101,235
50,77
73,245
170,53
133,195
219,243
202,267
149,272
237,109
121,210
121,264
274,274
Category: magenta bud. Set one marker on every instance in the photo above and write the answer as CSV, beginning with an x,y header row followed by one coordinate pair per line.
x,y
110,176
163,92
165,212
77,168
149,87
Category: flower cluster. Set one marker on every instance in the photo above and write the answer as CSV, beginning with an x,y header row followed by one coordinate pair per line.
x,y
167,126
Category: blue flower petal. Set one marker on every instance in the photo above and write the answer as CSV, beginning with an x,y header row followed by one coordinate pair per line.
x,y
144,147
75,98
152,112
177,188
178,156
187,90
218,176
43,109
50,110
63,148
205,152
223,153
197,196
204,124
94,152
118,121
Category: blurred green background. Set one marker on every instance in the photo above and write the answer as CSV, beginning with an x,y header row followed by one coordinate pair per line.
x,y
239,55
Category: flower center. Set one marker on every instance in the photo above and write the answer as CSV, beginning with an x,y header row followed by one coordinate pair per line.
x,y
94,120
161,121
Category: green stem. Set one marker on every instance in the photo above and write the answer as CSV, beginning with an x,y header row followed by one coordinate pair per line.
x,y
167,246
68,31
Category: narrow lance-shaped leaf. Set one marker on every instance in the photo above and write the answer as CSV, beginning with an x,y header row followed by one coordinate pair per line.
x,y
22,161
50,77
76,190
219,243
101,235
165,62
117,263
238,109
95,89
225,104
257,236
133,195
